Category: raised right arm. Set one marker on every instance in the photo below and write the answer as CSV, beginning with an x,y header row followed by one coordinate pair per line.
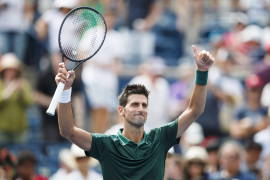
x,y
66,122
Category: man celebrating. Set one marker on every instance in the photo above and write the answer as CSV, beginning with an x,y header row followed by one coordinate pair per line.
x,y
132,153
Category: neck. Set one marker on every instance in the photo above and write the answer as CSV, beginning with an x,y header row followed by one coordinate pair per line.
x,y
134,134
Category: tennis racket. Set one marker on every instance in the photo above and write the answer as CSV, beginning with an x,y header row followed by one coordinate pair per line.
x,y
81,35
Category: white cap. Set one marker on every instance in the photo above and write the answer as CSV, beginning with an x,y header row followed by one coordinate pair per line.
x,y
77,151
196,152
67,158
9,60
65,3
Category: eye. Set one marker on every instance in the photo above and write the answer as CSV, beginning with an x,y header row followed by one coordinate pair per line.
x,y
135,104
144,105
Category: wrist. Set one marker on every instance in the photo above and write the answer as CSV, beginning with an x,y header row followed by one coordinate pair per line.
x,y
201,77
66,96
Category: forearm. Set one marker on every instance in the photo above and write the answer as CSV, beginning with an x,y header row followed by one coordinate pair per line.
x,y
198,99
65,120
196,104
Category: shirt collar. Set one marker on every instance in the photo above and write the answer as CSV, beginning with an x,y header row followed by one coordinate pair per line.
x,y
124,141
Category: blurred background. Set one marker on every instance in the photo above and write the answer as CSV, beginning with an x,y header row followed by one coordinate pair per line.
x,y
149,42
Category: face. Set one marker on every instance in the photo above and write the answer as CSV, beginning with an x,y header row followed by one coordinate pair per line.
x,y
83,162
230,160
10,74
196,168
135,112
27,169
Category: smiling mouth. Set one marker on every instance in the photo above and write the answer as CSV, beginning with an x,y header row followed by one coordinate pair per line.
x,y
139,115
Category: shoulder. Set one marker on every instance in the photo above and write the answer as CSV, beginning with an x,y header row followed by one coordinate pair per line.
x,y
248,176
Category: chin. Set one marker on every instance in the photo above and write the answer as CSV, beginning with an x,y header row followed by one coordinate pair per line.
x,y
137,122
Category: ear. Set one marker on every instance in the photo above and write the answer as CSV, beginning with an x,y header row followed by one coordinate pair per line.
x,y
120,110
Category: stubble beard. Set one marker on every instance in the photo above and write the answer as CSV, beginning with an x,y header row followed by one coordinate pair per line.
x,y
136,123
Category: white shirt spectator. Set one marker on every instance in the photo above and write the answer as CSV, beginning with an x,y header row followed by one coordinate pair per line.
x,y
92,175
262,137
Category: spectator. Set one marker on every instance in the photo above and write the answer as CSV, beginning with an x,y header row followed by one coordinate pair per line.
x,y
12,27
173,167
26,167
169,39
84,170
262,137
227,88
15,98
251,158
212,147
7,164
196,163
67,165
230,160
142,14
252,116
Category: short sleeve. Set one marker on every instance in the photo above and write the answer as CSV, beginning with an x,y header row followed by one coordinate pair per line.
x,y
97,146
169,132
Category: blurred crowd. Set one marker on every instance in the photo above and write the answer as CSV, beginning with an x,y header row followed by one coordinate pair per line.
x,y
148,42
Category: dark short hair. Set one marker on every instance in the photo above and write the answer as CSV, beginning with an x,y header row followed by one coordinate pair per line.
x,y
132,89
26,156
252,145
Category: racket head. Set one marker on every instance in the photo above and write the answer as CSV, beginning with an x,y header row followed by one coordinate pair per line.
x,y
81,34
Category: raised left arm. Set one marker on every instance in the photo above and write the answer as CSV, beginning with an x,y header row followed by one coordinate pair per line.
x,y
204,60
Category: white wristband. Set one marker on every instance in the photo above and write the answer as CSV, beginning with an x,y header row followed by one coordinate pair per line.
x,y
66,96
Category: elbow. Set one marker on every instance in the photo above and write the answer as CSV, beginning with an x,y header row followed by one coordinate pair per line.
x,y
197,112
67,134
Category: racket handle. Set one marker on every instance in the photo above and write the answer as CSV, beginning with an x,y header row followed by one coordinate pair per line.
x,y
54,102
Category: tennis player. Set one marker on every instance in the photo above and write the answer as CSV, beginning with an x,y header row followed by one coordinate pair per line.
x,y
133,154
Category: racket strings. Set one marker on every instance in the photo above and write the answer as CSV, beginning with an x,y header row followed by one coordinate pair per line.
x,y
82,34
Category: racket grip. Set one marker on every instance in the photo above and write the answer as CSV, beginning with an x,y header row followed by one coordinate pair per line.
x,y
54,102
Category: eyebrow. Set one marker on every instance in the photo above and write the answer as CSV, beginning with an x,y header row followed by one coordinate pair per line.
x,y
136,103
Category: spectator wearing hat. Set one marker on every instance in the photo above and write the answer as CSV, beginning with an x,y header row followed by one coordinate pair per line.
x,y
195,163
84,166
252,116
67,165
15,98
